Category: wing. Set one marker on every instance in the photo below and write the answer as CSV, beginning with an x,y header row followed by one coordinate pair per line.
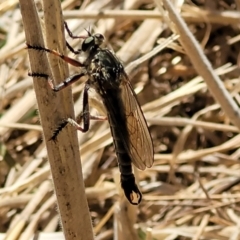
x,y
139,146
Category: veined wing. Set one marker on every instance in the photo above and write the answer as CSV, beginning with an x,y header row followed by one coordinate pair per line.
x,y
139,145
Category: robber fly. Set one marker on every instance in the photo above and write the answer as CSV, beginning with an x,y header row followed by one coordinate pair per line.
x,y
106,74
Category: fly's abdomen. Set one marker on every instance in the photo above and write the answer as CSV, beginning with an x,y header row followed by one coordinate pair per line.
x,y
113,102
124,161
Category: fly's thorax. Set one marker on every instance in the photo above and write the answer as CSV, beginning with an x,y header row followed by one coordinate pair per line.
x,y
104,77
88,57
107,67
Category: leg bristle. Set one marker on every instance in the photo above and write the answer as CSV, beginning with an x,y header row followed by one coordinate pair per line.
x,y
58,130
39,75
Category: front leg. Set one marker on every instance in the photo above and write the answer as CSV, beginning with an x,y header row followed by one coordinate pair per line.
x,y
65,58
71,34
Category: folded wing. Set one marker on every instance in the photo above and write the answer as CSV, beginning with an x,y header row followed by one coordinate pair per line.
x,y
139,145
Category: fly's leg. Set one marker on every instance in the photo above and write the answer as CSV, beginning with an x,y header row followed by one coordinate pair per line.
x,y
70,33
80,118
83,117
65,58
68,81
71,49
69,60
98,118
73,37
76,124
85,114
61,86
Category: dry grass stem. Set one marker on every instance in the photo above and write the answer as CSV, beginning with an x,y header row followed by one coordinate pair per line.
x,y
183,63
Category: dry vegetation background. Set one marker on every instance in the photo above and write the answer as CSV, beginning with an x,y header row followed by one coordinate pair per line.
x,y
192,191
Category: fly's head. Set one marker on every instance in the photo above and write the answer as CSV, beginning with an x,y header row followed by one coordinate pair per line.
x,y
89,47
92,42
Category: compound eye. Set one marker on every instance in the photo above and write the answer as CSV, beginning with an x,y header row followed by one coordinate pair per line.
x,y
87,43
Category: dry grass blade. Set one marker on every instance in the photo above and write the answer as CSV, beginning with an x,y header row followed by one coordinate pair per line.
x,y
189,15
204,67
192,190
